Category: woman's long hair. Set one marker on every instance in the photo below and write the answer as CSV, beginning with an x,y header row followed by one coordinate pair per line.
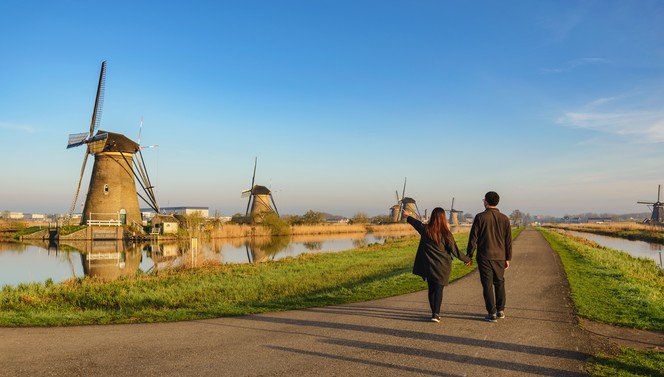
x,y
437,229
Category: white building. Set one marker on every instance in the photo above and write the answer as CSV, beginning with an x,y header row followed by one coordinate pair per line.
x,y
202,211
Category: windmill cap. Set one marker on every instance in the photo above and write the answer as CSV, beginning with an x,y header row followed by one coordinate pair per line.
x,y
260,190
119,143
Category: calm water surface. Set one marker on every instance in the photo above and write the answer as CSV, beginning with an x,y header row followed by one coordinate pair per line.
x,y
25,263
639,249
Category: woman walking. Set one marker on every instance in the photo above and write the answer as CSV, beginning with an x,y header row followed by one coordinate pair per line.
x,y
433,260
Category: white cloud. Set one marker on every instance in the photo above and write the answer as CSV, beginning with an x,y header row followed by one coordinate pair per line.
x,y
572,64
647,127
17,127
637,116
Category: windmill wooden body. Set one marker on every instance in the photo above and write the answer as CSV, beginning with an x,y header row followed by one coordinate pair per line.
x,y
260,198
657,216
112,197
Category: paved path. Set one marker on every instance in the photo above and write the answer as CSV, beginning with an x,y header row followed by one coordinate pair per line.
x,y
389,337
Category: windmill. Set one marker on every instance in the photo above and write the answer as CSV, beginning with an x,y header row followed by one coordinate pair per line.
x,y
403,203
657,216
259,199
454,216
112,191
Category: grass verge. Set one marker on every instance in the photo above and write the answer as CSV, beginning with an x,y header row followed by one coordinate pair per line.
x,y
371,272
629,363
612,287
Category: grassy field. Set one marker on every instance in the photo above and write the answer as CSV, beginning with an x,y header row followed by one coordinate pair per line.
x,y
375,271
612,287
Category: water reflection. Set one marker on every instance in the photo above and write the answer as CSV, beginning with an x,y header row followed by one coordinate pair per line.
x,y
639,249
261,249
108,260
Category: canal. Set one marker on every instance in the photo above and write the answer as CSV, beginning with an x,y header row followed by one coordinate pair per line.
x,y
638,249
41,262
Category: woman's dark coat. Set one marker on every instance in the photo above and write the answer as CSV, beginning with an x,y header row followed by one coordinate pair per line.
x,y
433,262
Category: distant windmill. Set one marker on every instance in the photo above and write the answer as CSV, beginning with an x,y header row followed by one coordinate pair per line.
x,y
657,216
259,199
112,189
403,203
454,215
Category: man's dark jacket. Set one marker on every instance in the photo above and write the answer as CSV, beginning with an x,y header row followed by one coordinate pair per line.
x,y
432,261
491,233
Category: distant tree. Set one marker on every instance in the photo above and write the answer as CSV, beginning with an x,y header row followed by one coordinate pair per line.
x,y
527,219
360,218
381,219
294,219
238,218
517,217
313,217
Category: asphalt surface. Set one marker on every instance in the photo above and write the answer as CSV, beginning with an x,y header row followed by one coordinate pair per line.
x,y
540,336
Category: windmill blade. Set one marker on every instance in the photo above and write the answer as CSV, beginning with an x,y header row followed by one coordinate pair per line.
x,y
452,208
403,193
253,177
251,189
274,204
99,100
78,187
397,192
97,137
245,193
248,204
140,127
659,190
76,140
419,216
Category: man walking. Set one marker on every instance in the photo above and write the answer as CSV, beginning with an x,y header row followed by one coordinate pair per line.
x,y
491,233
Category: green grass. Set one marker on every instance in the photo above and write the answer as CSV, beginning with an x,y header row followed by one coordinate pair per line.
x,y
629,363
612,287
371,272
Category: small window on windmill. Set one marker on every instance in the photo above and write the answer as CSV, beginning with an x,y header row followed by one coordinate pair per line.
x,y
106,189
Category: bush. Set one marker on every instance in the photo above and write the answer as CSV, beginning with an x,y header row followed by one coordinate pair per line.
x,y
277,225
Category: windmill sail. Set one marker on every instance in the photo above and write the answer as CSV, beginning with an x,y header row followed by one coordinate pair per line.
x,y
79,139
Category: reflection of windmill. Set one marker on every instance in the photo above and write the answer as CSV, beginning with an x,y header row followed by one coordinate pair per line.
x,y
403,203
259,199
657,209
112,190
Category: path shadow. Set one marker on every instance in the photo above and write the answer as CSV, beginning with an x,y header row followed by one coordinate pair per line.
x,y
483,344
424,372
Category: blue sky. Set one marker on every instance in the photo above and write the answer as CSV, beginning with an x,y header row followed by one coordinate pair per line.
x,y
557,105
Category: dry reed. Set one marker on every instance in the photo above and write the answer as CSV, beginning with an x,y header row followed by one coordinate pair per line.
x,y
608,227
